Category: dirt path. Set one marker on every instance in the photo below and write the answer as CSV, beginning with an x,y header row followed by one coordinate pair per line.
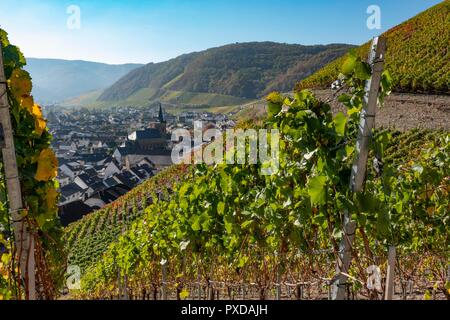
x,y
403,111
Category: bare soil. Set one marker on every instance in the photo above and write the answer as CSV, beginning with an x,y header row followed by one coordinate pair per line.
x,y
401,111
405,111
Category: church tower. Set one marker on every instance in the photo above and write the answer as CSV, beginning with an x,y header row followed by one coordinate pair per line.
x,y
161,115
161,124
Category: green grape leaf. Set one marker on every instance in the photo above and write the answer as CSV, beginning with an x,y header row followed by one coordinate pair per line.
x,y
184,204
362,71
349,64
316,190
4,38
275,103
195,224
340,121
221,208
383,223
245,224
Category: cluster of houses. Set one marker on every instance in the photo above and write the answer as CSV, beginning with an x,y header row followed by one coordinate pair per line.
x,y
99,160
186,120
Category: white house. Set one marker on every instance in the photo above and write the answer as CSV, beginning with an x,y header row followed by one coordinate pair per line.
x,y
63,179
81,183
70,169
111,169
70,193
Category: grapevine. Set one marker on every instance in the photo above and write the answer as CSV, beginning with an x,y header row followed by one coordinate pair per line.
x,y
228,224
37,166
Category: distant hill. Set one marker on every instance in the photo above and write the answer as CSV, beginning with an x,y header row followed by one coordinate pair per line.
x,y
56,80
225,75
418,55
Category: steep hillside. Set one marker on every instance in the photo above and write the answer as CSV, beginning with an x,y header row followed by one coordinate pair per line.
x,y
88,238
152,75
74,78
418,54
220,75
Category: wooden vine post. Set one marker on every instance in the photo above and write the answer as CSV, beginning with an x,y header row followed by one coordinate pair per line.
x,y
390,274
359,168
164,279
125,276
23,238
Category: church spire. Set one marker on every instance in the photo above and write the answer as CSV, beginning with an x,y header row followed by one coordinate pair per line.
x,y
161,115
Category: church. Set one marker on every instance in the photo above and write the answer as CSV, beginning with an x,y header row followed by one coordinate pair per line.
x,y
151,143
152,139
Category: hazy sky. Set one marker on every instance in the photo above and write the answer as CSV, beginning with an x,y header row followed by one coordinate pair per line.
x,y
143,31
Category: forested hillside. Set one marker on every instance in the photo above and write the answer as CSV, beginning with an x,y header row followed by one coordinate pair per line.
x,y
233,73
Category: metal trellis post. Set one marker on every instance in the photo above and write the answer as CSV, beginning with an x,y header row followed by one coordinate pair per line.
x,y
358,174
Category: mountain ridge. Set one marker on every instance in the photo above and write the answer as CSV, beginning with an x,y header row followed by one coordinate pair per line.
x,y
75,77
241,70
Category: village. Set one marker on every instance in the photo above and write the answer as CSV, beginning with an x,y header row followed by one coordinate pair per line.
x,y
103,154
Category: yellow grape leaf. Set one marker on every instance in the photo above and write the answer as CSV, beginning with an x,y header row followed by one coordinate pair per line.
x,y
20,83
39,121
184,294
50,198
39,125
27,102
6,258
36,111
47,165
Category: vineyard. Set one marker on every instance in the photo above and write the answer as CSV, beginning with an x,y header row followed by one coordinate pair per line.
x,y
306,272
418,55
88,238
225,231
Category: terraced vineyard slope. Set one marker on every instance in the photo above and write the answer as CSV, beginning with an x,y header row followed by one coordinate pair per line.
x,y
224,228
418,55
88,238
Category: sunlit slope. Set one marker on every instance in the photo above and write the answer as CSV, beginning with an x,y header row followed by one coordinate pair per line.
x,y
418,54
